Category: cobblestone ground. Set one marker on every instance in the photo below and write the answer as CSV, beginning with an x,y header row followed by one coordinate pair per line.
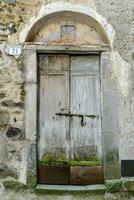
x,y
4,195
22,196
10,195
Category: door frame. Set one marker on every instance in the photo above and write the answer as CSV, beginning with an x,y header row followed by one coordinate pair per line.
x,y
109,107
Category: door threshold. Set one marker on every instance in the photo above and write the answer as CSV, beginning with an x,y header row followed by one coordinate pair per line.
x,y
52,189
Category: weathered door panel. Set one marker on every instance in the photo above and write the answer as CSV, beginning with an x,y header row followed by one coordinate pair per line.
x,y
69,120
49,174
86,175
54,98
85,108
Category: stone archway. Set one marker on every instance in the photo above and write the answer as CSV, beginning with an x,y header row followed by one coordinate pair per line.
x,y
53,9
48,34
84,30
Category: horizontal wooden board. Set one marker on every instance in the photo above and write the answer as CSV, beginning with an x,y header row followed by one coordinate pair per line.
x,y
53,174
86,175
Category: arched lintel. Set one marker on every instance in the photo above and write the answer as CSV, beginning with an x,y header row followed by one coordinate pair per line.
x,y
53,9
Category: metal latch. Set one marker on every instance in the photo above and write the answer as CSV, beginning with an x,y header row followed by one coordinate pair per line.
x,y
78,115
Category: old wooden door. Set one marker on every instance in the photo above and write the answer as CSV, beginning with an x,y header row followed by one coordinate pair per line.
x,y
69,146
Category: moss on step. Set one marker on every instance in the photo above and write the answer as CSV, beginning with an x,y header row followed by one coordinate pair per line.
x,y
31,178
49,192
14,185
114,185
128,184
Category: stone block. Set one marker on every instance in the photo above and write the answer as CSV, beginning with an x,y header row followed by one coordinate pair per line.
x,y
30,63
128,184
8,172
31,111
14,133
109,107
68,33
105,65
112,139
3,37
4,117
9,1
108,84
11,104
111,163
114,185
32,156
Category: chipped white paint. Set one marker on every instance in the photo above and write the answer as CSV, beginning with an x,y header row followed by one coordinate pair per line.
x,y
57,7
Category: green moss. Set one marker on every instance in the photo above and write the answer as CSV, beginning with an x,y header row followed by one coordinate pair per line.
x,y
114,186
31,178
14,185
128,184
92,162
79,193
54,163
50,158
85,163
112,155
49,192
6,172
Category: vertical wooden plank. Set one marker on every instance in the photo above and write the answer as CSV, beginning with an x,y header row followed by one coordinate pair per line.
x,y
54,98
85,101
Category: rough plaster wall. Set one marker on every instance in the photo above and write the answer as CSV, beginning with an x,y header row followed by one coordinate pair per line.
x,y
12,139
11,113
12,19
120,15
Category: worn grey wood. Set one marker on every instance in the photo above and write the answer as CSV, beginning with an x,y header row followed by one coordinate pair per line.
x,y
69,110
85,101
54,98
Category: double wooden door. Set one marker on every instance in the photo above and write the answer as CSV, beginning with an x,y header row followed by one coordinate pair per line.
x,y
69,125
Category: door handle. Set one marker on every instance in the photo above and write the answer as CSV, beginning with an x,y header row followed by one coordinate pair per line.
x,y
77,115
72,115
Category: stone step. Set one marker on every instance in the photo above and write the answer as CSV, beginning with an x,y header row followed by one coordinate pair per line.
x,y
70,189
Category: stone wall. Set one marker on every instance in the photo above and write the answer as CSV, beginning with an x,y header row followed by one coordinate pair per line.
x,y
14,15
120,15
